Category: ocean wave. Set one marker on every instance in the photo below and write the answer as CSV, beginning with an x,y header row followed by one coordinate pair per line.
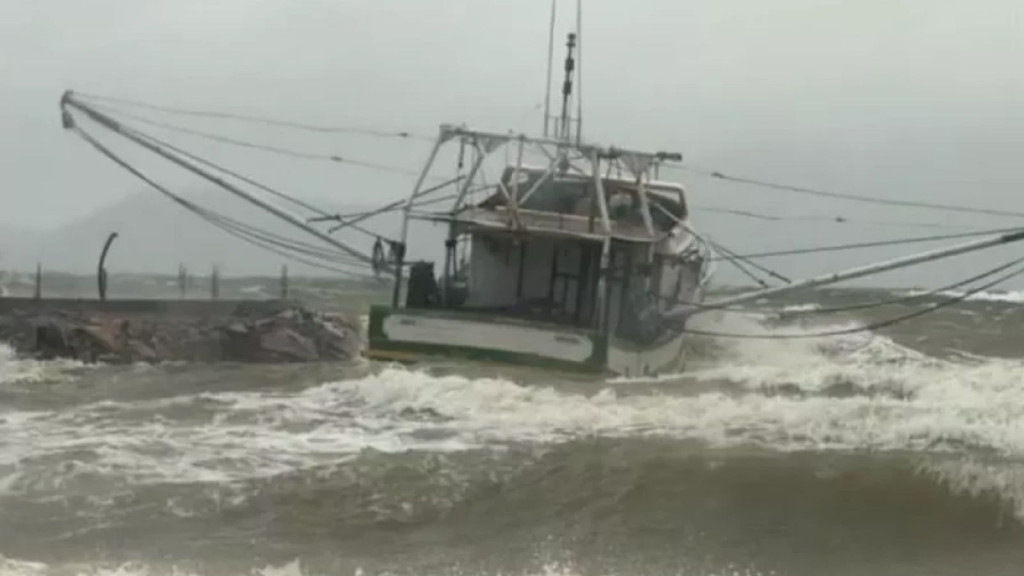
x,y
14,369
1007,296
846,394
894,399
10,567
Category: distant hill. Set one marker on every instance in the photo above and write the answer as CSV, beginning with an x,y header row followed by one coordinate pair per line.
x,y
155,235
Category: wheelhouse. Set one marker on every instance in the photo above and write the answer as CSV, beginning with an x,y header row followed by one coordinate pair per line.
x,y
590,241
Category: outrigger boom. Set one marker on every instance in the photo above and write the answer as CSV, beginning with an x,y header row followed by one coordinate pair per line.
x,y
68,100
854,273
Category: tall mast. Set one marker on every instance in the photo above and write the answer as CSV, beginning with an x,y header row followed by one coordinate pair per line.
x,y
570,67
573,73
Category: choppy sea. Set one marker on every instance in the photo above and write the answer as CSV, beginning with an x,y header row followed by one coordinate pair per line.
x,y
872,453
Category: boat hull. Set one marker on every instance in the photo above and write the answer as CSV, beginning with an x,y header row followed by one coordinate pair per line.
x,y
412,335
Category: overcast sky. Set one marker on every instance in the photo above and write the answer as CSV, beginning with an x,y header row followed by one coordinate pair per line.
x,y
909,99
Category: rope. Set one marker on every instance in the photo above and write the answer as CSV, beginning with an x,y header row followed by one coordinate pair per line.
x,y
734,212
243,178
268,148
269,245
898,241
845,196
352,219
223,222
832,219
293,245
734,258
737,263
904,299
257,119
868,327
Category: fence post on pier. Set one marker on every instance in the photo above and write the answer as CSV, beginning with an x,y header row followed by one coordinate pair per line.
x,y
101,271
182,280
215,284
284,282
39,281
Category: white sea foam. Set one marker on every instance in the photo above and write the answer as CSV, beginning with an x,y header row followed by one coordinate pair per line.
x,y
1008,296
297,568
808,307
14,567
14,369
779,394
942,406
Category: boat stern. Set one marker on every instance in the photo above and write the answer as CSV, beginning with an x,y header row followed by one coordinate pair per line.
x,y
410,335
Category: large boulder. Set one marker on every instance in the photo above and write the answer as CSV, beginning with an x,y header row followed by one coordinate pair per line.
x,y
284,345
51,340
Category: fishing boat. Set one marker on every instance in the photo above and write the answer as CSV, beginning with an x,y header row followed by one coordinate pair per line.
x,y
569,264
578,256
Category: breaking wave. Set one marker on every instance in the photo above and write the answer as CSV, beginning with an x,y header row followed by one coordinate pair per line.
x,y
1008,296
14,369
853,393
549,465
295,568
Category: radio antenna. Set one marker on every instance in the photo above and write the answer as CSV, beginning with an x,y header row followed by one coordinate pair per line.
x,y
579,70
551,56
565,130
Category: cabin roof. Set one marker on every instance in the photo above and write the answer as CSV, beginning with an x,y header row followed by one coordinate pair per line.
x,y
650,185
489,139
539,223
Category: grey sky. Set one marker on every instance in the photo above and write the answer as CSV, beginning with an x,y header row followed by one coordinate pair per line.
x,y
915,99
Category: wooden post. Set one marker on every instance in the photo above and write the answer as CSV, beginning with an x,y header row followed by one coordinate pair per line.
x,y
284,282
101,271
215,284
39,281
182,280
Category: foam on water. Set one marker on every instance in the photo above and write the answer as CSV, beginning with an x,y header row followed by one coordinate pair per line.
x,y
11,567
14,369
1009,296
895,399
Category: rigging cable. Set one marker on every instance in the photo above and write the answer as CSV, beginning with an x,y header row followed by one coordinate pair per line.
x,y
209,215
257,119
853,246
264,147
265,237
282,195
130,134
907,298
846,196
234,227
353,219
869,327
853,307
735,258
832,219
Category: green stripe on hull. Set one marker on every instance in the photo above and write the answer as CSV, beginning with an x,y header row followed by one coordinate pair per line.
x,y
485,355
425,333
596,362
